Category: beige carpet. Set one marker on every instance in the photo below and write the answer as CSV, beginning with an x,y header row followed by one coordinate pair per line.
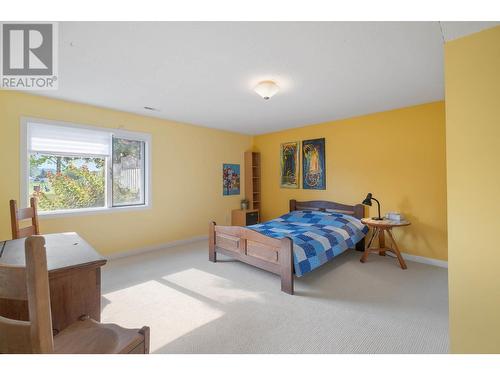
x,y
195,306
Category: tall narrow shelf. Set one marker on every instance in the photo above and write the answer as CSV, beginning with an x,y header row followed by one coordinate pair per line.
x,y
252,179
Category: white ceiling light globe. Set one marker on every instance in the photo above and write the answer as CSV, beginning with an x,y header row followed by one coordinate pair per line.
x,y
267,89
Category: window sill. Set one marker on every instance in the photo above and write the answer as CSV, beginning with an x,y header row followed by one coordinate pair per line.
x,y
90,211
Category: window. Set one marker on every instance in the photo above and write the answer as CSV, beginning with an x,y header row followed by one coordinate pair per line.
x,y
128,172
73,168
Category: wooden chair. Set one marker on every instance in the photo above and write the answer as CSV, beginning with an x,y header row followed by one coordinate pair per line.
x,y
17,215
86,336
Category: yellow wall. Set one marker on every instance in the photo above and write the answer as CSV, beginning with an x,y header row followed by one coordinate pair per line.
x,y
398,155
186,171
473,165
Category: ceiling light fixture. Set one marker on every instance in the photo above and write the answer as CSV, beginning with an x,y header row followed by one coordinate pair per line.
x,y
267,89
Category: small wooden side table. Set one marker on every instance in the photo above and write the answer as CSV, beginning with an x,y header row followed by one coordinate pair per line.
x,y
380,227
242,218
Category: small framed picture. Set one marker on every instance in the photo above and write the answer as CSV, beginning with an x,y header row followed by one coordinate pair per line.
x,y
289,165
230,179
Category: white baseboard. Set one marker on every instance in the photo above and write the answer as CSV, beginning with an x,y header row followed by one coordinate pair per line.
x,y
148,249
424,260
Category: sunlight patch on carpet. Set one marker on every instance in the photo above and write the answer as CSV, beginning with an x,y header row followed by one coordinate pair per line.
x,y
169,312
212,286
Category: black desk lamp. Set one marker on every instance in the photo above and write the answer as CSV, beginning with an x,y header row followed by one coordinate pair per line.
x,y
368,202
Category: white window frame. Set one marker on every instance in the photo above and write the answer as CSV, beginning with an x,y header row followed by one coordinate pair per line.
x,y
119,133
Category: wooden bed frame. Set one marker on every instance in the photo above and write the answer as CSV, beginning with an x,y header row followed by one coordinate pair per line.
x,y
270,254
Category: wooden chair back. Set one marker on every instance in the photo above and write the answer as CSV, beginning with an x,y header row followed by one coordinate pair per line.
x,y
29,283
17,215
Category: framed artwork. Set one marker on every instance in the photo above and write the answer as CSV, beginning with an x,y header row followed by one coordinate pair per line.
x,y
313,164
289,165
230,179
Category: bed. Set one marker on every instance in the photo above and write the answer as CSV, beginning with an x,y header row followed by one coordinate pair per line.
x,y
310,235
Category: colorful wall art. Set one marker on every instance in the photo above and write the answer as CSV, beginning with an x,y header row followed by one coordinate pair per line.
x,y
230,179
313,164
289,169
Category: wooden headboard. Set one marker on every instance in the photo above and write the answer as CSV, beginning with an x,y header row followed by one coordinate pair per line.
x,y
358,210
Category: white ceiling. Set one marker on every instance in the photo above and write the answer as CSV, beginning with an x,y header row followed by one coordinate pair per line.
x,y
203,73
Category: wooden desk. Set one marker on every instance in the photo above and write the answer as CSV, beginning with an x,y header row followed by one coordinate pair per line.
x,y
74,279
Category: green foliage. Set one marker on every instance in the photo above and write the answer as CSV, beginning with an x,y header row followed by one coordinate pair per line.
x,y
75,188
123,195
124,148
61,162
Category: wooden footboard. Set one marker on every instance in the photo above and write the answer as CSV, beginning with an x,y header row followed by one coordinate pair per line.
x,y
253,248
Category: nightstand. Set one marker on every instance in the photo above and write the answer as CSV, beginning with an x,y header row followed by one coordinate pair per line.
x,y
380,228
242,218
